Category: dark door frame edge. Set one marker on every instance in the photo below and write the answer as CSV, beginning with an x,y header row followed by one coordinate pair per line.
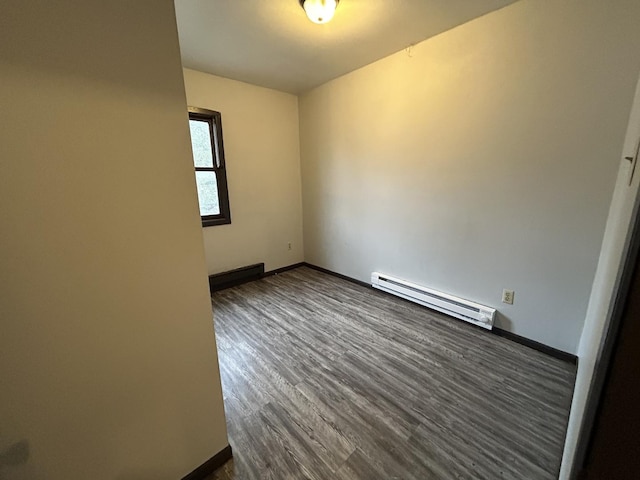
x,y
611,330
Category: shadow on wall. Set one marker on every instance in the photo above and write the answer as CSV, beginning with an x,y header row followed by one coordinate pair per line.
x,y
502,322
13,455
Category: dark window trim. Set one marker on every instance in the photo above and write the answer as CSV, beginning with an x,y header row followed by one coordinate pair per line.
x,y
214,119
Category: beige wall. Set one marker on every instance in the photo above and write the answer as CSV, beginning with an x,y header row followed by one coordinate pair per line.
x,y
107,352
261,143
483,159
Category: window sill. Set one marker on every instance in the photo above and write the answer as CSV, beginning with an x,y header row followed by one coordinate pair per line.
x,y
212,222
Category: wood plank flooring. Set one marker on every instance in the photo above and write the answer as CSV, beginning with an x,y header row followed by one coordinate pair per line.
x,y
325,379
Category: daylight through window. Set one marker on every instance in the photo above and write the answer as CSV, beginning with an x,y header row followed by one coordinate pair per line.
x,y
208,160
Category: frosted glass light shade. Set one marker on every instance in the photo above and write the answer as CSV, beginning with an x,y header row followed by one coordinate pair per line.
x,y
320,11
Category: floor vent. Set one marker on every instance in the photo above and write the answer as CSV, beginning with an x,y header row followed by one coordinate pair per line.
x,y
455,306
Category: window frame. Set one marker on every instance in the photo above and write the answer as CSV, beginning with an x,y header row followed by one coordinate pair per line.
x,y
214,119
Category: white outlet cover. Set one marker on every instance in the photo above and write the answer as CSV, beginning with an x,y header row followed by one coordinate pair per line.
x,y
507,296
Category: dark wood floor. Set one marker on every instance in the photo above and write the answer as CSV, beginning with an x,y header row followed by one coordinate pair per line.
x,y
324,379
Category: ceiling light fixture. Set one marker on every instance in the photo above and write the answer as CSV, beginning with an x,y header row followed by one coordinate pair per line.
x,y
319,11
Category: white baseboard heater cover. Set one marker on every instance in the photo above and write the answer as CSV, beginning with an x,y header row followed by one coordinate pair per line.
x,y
451,305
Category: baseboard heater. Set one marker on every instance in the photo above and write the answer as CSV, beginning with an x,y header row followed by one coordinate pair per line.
x,y
457,307
232,278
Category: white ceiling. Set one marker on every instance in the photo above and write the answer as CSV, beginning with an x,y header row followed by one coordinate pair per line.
x,y
272,43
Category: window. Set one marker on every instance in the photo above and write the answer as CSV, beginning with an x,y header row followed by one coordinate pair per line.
x,y
208,159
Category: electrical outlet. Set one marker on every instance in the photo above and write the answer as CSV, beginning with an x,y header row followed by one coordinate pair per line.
x,y
507,296
289,246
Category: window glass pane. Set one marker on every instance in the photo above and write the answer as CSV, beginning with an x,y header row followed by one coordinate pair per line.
x,y
207,193
201,143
